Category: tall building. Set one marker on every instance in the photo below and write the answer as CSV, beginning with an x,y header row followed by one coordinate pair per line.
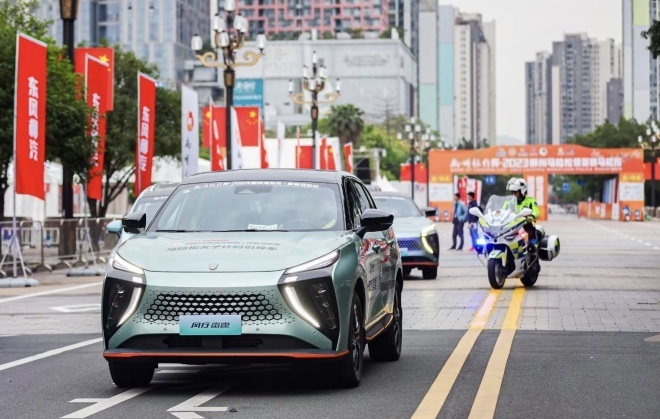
x,y
641,72
566,92
457,73
288,18
158,31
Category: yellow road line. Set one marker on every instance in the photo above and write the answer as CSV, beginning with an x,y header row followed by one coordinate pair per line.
x,y
437,394
486,400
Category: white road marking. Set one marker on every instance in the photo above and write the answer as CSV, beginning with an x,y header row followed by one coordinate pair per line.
x,y
187,415
49,353
39,294
78,308
103,404
193,403
655,338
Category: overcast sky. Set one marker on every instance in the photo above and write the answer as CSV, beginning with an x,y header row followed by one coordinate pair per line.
x,y
527,26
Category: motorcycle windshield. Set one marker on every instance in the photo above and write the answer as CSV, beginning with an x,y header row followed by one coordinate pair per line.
x,y
500,210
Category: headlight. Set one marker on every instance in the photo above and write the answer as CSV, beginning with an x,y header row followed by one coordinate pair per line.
x,y
122,293
430,240
318,263
123,265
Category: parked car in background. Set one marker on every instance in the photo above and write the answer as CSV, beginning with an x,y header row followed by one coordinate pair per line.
x,y
418,240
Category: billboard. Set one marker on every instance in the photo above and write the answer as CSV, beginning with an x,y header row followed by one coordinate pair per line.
x,y
249,92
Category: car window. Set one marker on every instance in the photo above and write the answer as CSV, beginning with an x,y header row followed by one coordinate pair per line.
x,y
367,195
362,196
252,205
354,210
398,206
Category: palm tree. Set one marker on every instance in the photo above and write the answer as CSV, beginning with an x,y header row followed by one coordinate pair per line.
x,y
345,121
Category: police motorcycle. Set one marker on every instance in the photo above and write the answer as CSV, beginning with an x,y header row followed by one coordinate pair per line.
x,y
505,243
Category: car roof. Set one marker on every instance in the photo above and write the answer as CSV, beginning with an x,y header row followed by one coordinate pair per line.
x,y
383,193
287,175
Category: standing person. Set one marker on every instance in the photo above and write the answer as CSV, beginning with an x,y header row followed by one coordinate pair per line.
x,y
472,221
460,212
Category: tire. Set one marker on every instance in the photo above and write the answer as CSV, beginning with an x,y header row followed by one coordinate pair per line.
x,y
430,273
130,375
350,369
495,275
532,275
387,347
407,271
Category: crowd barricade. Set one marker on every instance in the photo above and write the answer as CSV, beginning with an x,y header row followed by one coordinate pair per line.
x,y
58,244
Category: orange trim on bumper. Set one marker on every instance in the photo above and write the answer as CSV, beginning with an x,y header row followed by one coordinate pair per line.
x,y
293,355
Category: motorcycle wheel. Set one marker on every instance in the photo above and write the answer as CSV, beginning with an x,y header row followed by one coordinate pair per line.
x,y
531,276
496,275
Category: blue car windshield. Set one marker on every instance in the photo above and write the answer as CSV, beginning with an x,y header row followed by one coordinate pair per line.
x,y
398,206
252,206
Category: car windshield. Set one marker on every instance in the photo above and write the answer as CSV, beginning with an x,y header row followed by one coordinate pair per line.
x,y
497,202
252,206
398,206
149,205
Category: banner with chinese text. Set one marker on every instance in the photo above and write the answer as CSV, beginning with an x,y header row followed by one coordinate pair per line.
x,y
145,134
105,54
189,131
96,88
30,116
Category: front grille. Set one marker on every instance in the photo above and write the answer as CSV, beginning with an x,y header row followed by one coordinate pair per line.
x,y
410,244
255,308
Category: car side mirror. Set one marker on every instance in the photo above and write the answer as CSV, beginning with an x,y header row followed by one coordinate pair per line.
x,y
373,220
476,212
114,227
525,212
135,222
430,211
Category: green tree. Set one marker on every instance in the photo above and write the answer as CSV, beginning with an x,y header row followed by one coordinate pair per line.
x,y
345,122
66,113
653,34
122,126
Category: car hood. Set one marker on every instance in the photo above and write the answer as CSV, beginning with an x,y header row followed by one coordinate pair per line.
x,y
410,226
232,252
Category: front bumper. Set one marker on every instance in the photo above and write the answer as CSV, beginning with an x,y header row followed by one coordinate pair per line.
x,y
414,252
270,329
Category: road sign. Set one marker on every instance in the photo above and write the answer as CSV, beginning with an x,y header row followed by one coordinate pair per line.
x,y
490,180
566,187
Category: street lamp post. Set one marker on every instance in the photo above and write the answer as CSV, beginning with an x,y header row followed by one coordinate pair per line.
x,y
314,83
428,142
229,38
651,143
413,131
68,14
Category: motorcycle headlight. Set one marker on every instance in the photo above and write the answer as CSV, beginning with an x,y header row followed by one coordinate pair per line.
x,y
318,263
122,264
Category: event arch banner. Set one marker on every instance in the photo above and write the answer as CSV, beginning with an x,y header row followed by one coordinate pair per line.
x,y
535,163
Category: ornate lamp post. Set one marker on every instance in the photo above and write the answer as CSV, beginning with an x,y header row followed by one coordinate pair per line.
x,y
413,130
229,39
69,14
314,83
651,143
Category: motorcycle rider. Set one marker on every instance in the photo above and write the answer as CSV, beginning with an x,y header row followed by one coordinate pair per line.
x,y
518,188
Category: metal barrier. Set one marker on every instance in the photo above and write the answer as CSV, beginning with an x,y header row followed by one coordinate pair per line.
x,y
58,244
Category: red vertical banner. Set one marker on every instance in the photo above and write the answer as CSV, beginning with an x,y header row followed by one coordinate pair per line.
x,y
305,157
30,116
323,163
348,155
217,137
262,141
146,128
96,87
206,125
332,165
248,124
298,148
107,55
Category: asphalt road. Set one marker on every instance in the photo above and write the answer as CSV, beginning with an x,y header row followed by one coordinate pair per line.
x,y
585,342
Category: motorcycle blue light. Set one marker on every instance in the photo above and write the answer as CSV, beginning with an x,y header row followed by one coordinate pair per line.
x,y
481,241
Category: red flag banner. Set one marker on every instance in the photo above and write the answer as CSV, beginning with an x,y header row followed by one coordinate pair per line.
x,y
331,159
323,153
420,172
96,87
262,141
30,116
146,127
107,55
218,138
304,157
348,155
248,124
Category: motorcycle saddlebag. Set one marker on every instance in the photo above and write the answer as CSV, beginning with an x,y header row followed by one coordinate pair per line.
x,y
549,248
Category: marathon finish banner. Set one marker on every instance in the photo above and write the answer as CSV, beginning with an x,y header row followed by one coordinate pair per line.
x,y
189,131
30,116
144,151
106,55
96,87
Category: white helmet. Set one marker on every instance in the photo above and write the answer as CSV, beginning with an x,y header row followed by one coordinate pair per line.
x,y
517,184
